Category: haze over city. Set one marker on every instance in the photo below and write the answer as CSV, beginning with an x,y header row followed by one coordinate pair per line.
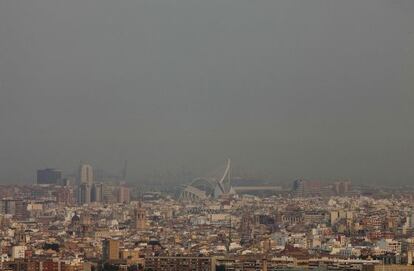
x,y
287,89
213,135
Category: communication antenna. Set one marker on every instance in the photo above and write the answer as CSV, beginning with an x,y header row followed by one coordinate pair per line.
x,y
124,170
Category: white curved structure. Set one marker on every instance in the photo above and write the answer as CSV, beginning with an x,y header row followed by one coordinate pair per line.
x,y
203,188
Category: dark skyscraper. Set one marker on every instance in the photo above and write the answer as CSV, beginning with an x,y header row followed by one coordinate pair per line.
x,y
85,193
49,176
96,192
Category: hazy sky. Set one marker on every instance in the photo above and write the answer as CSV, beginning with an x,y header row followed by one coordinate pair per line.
x,y
320,89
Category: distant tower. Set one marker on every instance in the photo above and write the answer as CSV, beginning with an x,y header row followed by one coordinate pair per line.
x,y
246,228
96,192
85,192
123,194
86,174
140,219
124,170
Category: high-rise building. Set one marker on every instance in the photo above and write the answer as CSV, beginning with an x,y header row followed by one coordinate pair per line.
x,y
97,190
8,206
342,187
140,218
306,188
15,207
49,176
86,174
109,194
84,193
110,250
123,194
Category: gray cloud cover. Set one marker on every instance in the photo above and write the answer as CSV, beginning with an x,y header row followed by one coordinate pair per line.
x,y
287,88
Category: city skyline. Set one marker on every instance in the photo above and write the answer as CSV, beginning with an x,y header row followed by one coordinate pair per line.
x,y
216,135
93,174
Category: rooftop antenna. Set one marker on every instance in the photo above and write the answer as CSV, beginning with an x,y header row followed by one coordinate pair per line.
x,y
124,170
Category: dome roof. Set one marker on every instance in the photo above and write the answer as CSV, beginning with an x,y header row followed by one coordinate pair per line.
x,y
75,218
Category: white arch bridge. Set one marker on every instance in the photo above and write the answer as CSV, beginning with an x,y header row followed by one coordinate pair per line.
x,y
209,187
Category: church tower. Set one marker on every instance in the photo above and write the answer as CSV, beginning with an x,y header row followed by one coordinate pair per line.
x,y
140,217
